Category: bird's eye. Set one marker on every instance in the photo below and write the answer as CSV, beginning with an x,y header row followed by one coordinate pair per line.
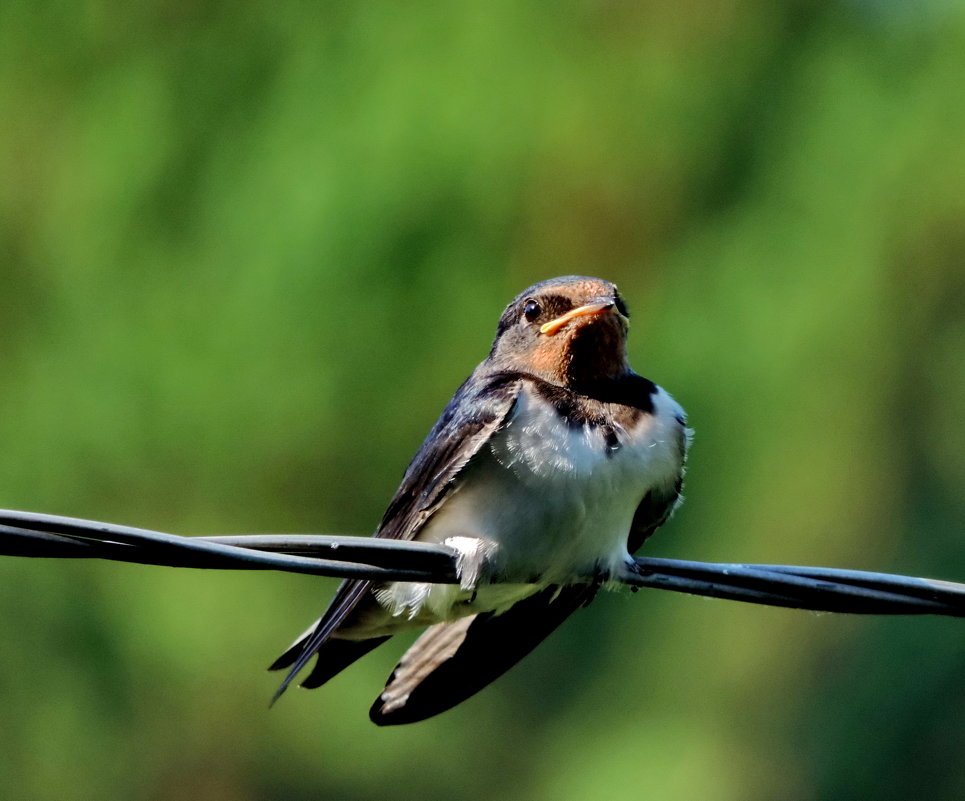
x,y
531,310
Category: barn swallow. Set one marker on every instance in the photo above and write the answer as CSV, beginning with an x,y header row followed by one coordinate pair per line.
x,y
552,463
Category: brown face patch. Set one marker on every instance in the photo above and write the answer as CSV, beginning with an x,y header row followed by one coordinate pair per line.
x,y
550,356
596,349
538,335
586,348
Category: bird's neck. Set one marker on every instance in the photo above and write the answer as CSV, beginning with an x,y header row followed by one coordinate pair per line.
x,y
595,357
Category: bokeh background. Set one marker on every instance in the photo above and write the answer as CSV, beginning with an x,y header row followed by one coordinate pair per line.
x,y
247,252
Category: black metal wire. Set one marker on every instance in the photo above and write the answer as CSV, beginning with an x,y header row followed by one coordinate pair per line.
x,y
40,535
817,588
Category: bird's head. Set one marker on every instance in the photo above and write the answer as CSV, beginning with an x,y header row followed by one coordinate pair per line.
x,y
569,331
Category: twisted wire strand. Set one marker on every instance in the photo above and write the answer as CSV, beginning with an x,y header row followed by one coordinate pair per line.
x,y
30,534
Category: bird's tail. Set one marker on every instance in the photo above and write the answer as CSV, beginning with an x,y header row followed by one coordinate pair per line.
x,y
452,661
334,655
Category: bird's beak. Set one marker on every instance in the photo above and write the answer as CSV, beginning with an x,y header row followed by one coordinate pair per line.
x,y
590,310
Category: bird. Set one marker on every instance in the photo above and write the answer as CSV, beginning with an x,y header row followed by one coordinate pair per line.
x,y
548,469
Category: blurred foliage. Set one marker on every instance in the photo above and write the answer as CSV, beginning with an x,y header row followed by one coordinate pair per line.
x,y
247,251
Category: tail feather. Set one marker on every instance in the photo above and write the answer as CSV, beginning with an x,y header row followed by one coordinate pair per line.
x,y
336,655
305,647
292,651
453,661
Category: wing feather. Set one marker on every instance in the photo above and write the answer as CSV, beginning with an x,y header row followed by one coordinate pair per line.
x,y
474,414
453,661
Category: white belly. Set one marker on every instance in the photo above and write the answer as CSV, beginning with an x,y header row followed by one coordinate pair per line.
x,y
552,503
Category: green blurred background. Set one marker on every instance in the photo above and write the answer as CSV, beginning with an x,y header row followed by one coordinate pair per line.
x,y
248,251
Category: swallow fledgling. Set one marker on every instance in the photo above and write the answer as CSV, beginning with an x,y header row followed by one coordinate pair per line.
x,y
550,466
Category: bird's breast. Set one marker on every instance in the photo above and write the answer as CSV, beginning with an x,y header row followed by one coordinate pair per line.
x,y
557,499
552,501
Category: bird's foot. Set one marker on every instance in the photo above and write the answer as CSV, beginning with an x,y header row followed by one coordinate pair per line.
x,y
632,569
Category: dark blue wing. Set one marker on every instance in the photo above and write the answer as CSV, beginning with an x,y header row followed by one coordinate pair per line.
x,y
477,410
